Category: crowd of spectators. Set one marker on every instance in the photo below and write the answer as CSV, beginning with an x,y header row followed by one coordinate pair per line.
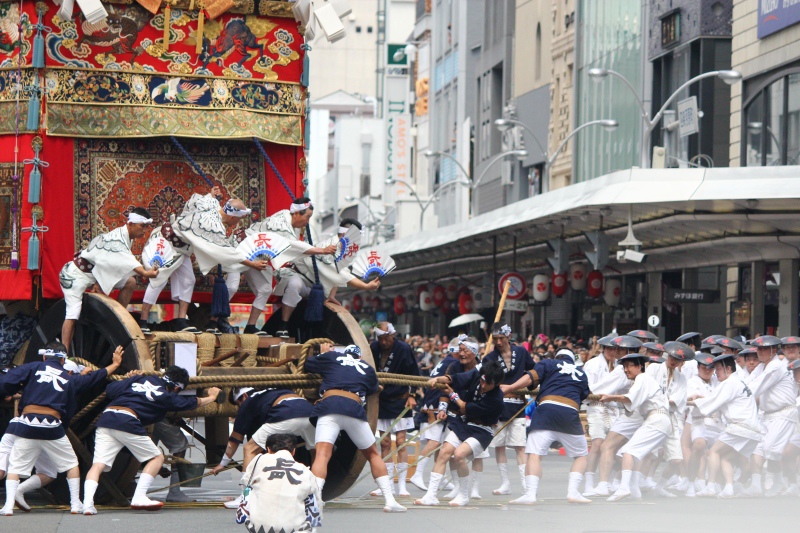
x,y
429,349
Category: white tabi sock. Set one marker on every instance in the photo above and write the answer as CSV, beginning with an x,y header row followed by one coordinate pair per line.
x,y
625,481
390,473
636,477
433,485
11,491
32,483
531,486
464,485
503,468
756,482
145,480
421,467
522,476
385,483
402,468
474,481
89,488
320,482
74,484
589,481
573,490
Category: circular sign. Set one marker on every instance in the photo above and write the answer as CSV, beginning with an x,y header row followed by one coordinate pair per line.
x,y
654,321
518,288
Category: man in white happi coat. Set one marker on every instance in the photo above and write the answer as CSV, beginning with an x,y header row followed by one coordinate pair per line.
x,y
646,398
624,426
704,430
295,281
202,230
674,384
736,404
776,393
107,262
599,415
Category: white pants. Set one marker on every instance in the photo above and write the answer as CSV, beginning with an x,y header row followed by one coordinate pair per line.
x,y
779,433
672,446
260,284
477,449
646,439
600,417
181,281
293,288
26,452
404,424
300,427
512,435
74,283
432,432
743,445
627,425
44,465
329,426
539,441
108,442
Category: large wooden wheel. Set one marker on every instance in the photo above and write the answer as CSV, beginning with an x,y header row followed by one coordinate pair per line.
x,y
104,325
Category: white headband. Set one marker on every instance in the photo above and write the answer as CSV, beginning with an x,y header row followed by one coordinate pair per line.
x,y
241,391
232,211
504,330
472,346
52,353
389,330
566,351
136,218
294,208
343,230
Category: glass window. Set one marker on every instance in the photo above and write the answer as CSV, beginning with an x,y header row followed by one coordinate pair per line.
x,y
754,117
771,127
793,120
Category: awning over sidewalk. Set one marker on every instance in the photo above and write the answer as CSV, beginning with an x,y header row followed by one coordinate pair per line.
x,y
684,217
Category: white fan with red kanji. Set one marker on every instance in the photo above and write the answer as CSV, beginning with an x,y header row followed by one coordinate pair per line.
x,y
157,252
372,263
347,248
268,246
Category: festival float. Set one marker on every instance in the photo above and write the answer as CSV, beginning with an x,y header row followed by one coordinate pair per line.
x,y
104,107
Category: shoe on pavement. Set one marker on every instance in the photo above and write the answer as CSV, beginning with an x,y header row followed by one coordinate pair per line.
x,y
376,492
524,500
89,510
5,511
427,501
690,492
403,493
177,496
452,494
595,492
76,508
418,482
475,495
459,501
726,493
19,499
753,491
682,485
233,504
503,490
146,504
775,490
447,487
619,495
394,507
707,492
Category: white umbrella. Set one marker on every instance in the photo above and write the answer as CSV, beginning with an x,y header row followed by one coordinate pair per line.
x,y
465,319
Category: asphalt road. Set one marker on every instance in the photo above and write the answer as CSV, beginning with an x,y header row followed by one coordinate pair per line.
x,y
355,513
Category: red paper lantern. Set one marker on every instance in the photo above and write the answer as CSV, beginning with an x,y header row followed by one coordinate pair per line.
x,y
595,284
423,287
577,276
465,303
358,302
426,301
399,305
613,292
559,284
438,296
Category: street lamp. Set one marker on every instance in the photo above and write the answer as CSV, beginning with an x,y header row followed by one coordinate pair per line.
x,y
754,128
598,74
505,124
424,205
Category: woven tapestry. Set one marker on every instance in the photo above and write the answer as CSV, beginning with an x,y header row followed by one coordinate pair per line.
x,y
114,176
6,221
